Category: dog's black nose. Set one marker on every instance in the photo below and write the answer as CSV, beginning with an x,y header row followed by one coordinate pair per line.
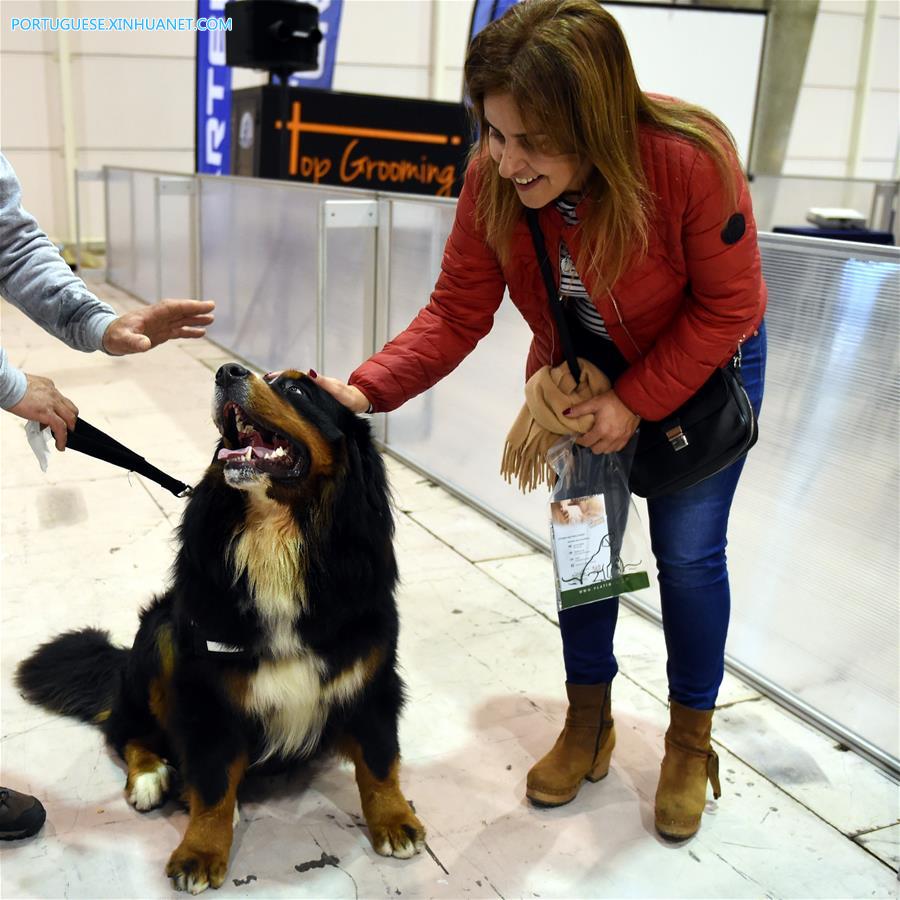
x,y
229,373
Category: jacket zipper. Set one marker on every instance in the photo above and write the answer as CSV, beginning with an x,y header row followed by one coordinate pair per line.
x,y
615,304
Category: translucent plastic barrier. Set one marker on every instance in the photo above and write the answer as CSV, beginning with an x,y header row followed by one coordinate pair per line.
x,y
311,276
146,252
151,234
260,262
814,537
457,429
120,229
176,236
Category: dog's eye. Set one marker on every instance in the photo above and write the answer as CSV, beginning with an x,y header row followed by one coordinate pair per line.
x,y
296,389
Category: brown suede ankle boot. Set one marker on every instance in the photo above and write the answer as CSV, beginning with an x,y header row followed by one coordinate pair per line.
x,y
688,764
581,751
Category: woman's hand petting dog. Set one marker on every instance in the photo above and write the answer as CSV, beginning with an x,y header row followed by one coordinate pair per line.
x,y
347,395
142,329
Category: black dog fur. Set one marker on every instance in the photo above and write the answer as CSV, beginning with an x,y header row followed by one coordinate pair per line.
x,y
286,558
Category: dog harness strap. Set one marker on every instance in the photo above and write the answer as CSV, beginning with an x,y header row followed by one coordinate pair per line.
x,y
91,441
216,647
194,643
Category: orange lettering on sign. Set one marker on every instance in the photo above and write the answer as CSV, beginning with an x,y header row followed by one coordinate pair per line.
x,y
353,168
315,167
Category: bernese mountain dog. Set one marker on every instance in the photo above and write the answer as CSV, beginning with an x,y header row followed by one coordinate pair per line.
x,y
276,638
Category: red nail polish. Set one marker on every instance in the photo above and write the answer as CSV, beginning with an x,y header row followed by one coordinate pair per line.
x,y
567,412
312,373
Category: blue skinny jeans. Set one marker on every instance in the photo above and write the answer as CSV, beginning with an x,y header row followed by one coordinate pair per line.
x,y
688,536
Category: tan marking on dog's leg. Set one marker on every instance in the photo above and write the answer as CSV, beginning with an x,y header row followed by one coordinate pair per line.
x,y
201,859
147,784
393,826
158,699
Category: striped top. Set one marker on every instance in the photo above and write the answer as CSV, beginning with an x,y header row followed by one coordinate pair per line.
x,y
571,290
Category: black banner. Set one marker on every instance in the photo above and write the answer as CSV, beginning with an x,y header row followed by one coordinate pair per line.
x,y
351,140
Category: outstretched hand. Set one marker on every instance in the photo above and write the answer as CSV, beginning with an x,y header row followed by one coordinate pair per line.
x,y
45,404
142,329
614,423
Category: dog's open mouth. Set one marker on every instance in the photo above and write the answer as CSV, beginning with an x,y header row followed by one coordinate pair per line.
x,y
258,447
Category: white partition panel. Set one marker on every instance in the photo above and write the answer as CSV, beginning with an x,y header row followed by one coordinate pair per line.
x,y
457,429
119,228
348,248
177,252
259,260
144,283
814,542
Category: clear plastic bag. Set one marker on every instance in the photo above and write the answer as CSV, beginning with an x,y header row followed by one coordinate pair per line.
x,y
597,554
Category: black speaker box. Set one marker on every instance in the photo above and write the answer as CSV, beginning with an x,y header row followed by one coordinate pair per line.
x,y
275,35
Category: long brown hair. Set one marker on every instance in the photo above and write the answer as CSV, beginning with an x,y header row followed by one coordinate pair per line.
x,y
566,65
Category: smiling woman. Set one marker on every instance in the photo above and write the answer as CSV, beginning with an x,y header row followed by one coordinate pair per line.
x,y
538,173
634,194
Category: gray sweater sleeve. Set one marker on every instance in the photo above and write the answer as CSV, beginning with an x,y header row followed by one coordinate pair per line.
x,y
36,279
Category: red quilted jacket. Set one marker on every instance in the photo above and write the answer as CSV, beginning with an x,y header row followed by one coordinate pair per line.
x,y
675,316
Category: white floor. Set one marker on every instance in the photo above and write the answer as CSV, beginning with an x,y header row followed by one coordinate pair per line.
x,y
88,544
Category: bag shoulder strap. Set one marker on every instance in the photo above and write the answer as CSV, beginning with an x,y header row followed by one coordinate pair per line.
x,y
559,314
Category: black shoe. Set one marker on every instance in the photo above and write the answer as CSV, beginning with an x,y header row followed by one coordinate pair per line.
x,y
21,815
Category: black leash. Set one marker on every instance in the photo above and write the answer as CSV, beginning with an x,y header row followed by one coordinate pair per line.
x,y
93,442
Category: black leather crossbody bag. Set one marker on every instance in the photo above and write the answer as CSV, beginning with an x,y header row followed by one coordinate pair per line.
x,y
706,434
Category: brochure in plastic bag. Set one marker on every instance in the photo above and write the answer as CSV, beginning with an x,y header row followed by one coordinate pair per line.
x,y
599,548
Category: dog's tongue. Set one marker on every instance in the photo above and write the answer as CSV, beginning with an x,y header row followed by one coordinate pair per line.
x,y
231,454
258,452
241,453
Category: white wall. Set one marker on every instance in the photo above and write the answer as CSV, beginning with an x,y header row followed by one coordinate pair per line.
x,y
133,94
132,101
386,47
821,135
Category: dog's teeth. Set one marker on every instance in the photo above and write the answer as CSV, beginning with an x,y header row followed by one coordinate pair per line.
x,y
279,452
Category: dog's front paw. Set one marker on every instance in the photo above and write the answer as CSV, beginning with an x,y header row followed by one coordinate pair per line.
x,y
401,835
194,870
148,790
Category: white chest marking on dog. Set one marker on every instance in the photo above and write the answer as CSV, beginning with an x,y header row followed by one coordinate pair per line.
x,y
292,703
286,694
269,551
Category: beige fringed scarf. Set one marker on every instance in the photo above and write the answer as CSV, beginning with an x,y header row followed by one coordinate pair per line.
x,y
541,421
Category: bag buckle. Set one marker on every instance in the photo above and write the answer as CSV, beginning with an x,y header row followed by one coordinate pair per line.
x,y
677,438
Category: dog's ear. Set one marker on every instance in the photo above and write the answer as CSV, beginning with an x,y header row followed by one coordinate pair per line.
x,y
366,474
